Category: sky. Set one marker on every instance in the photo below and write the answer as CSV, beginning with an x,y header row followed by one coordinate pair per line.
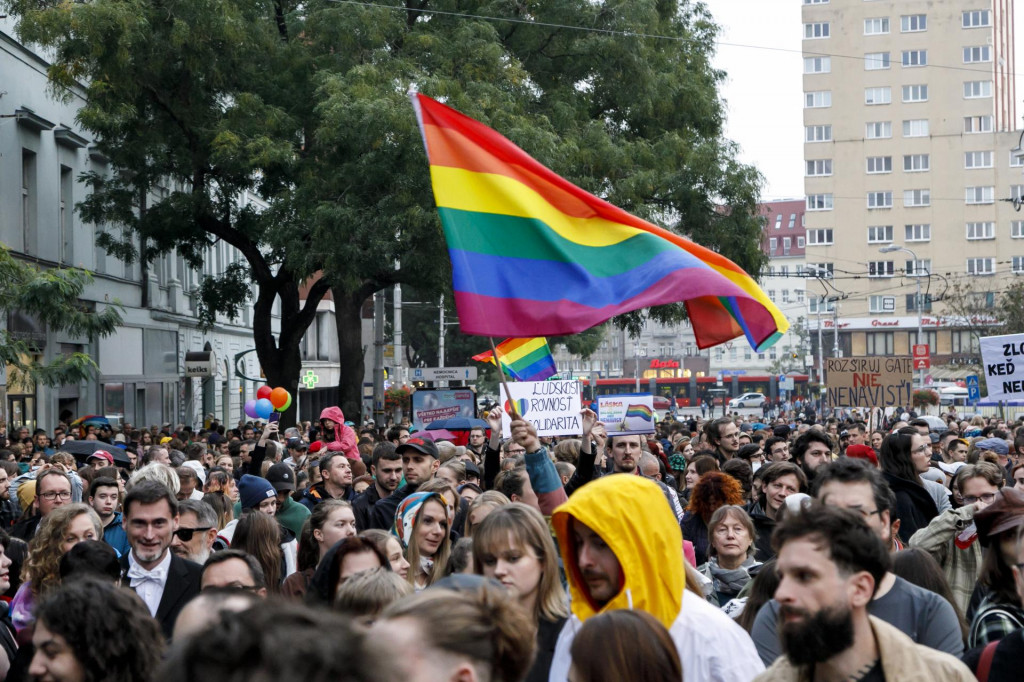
x,y
763,87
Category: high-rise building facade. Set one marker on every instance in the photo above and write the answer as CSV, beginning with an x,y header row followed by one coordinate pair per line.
x,y
910,126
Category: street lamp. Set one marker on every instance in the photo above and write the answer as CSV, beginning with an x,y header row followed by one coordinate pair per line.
x,y
891,248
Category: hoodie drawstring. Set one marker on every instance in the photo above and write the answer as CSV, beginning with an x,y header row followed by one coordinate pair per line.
x,y
629,598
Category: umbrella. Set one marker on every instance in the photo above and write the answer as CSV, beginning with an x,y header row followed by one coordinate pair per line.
x,y
91,420
458,424
81,449
437,434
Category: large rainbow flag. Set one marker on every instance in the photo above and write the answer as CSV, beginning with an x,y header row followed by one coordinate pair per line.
x,y
534,255
523,359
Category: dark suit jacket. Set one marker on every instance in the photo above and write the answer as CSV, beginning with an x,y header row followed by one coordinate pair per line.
x,y
182,584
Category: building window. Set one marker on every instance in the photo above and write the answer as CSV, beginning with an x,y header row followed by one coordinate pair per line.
x,y
915,58
917,233
922,267
1017,229
917,127
879,199
816,2
800,242
915,93
878,130
926,307
28,199
879,164
881,304
873,61
880,343
977,124
1016,159
914,198
981,230
817,64
978,53
880,234
873,96
977,89
819,167
773,245
964,342
911,23
881,268
822,270
977,17
778,221
981,266
816,30
66,217
916,163
821,133
980,195
799,295
819,99
819,237
819,202
785,295
1017,265
977,160
817,304
876,26
792,220
1017,191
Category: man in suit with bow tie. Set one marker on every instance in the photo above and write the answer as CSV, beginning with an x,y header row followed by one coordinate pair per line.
x,y
163,580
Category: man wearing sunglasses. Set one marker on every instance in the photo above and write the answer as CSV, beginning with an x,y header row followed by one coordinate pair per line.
x,y
197,529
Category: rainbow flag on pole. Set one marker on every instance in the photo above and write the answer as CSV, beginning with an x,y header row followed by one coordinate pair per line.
x,y
523,359
534,255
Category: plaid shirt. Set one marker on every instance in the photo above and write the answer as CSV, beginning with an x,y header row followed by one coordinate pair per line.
x,y
993,621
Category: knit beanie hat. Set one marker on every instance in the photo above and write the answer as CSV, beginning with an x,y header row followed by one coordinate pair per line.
x,y
408,510
677,463
252,490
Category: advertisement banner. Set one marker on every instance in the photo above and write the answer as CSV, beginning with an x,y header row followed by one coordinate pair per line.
x,y
432,404
626,413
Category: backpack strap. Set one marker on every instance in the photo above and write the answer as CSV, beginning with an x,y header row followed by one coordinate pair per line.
x,y
985,662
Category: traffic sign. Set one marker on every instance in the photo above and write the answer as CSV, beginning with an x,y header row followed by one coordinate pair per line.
x,y
922,356
443,373
973,391
922,363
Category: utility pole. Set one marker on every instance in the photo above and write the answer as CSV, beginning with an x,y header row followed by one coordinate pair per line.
x,y
835,328
440,342
821,357
378,358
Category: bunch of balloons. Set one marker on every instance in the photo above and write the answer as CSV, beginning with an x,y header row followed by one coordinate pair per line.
x,y
268,400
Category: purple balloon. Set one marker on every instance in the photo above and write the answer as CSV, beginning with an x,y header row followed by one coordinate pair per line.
x,y
264,408
250,409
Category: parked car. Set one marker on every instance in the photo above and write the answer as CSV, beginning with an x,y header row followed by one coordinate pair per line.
x,y
748,400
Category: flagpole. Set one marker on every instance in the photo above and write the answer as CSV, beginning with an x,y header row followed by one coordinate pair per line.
x,y
501,374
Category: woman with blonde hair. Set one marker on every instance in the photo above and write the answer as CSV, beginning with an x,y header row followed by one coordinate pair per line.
x,y
59,531
484,503
513,546
422,525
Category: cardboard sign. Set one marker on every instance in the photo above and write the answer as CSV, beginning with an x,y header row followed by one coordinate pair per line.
x,y
431,405
627,413
869,382
1002,359
553,407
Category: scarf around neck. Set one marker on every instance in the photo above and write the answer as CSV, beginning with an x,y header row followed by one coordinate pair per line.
x,y
731,580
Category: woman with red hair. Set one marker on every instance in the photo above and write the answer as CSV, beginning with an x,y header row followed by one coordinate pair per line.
x,y
712,490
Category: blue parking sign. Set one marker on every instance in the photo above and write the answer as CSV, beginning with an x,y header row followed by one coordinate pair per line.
x,y
973,393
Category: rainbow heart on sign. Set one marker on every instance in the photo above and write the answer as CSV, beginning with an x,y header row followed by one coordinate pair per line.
x,y
522,405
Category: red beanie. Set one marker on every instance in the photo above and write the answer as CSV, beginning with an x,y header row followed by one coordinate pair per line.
x,y
859,451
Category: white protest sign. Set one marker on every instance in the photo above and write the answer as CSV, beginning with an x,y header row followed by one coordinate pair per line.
x,y
1002,360
627,413
553,407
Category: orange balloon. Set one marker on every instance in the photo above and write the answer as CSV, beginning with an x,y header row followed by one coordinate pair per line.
x,y
279,397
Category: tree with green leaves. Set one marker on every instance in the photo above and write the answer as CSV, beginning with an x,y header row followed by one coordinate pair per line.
x,y
303,105
53,298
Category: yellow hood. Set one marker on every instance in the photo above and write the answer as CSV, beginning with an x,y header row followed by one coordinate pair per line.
x,y
633,517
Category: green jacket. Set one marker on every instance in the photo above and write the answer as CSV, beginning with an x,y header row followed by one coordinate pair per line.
x,y
292,515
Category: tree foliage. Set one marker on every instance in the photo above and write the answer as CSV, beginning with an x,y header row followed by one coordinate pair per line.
x,y
51,297
303,106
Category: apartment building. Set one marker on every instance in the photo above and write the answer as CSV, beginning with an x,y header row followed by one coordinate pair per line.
x,y
910,151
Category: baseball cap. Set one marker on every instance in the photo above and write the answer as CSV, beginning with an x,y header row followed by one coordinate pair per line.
x,y
296,444
281,477
424,446
102,454
472,469
996,445
119,438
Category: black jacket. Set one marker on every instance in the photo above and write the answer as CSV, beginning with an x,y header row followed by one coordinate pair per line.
x,y
915,507
181,586
361,507
26,530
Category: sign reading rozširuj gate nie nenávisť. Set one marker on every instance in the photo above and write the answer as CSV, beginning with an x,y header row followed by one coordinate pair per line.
x,y
1002,359
869,381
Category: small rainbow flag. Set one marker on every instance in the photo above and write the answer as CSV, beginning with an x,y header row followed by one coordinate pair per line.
x,y
523,359
640,411
534,255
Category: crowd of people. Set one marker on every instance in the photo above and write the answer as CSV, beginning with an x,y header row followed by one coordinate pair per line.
x,y
732,549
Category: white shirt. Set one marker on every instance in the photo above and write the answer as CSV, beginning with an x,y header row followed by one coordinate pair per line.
x,y
149,585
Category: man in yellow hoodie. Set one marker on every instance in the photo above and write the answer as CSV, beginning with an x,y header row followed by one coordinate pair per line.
x,y
622,549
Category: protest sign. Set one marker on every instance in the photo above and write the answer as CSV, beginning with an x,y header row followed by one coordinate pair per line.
x,y
869,381
1002,359
431,405
627,413
553,407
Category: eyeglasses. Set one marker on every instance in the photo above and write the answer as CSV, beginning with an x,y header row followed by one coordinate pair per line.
x,y
185,534
984,497
54,494
922,450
